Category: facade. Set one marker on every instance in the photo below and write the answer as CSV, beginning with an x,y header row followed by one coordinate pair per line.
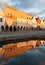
x,y
14,17
44,23
2,19
17,17
38,21
21,22
34,22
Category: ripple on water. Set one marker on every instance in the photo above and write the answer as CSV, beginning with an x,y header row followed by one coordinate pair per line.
x,y
31,57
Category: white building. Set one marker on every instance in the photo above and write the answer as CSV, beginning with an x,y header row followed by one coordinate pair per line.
x,y
43,23
34,23
2,19
21,22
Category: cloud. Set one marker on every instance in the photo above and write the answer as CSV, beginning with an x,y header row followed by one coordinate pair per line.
x,y
34,12
20,4
41,1
37,12
34,7
3,1
12,3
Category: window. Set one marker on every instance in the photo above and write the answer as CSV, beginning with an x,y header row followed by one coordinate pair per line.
x,y
43,20
8,13
27,17
1,20
32,17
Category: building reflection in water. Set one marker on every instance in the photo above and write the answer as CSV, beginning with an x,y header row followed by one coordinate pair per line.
x,y
11,50
16,49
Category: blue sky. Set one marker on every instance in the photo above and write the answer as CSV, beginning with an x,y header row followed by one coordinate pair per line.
x,y
34,7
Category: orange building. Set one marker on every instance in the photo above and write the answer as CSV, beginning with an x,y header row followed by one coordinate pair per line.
x,y
38,21
16,17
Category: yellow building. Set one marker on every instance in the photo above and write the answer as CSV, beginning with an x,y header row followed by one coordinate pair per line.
x,y
2,19
16,17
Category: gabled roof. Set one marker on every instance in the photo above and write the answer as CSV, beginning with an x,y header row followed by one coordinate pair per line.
x,y
6,5
38,20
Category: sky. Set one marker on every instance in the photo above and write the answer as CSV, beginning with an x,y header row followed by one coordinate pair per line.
x,y
34,7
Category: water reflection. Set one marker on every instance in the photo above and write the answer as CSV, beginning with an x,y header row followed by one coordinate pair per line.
x,y
35,56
